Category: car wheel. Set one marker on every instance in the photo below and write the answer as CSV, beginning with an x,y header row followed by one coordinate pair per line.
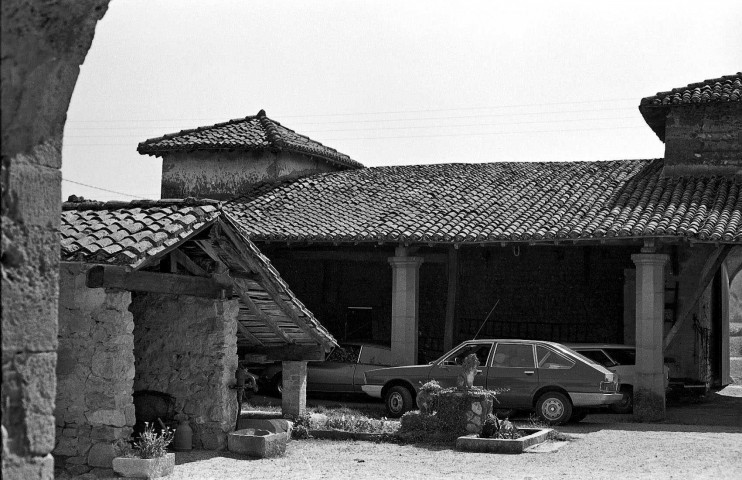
x,y
398,400
626,405
554,408
578,414
278,385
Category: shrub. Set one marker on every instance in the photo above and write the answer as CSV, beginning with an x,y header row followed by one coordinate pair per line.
x,y
300,430
496,428
152,444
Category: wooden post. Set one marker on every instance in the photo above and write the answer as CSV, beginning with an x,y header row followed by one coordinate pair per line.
x,y
453,285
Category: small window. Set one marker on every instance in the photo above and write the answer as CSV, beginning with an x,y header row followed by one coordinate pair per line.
x,y
515,355
482,352
550,359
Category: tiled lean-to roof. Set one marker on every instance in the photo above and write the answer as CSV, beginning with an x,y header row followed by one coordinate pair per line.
x,y
716,90
131,234
495,202
256,132
128,233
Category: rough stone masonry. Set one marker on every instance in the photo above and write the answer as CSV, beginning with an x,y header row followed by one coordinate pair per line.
x,y
43,45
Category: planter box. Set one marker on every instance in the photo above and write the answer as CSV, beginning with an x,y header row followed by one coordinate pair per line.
x,y
472,443
257,443
145,467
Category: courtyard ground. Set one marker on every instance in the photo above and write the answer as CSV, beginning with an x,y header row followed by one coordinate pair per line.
x,y
701,439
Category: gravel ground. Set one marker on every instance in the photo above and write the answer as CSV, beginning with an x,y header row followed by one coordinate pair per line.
x,y
640,451
701,439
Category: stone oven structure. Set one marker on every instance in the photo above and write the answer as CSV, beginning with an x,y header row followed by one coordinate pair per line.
x,y
155,296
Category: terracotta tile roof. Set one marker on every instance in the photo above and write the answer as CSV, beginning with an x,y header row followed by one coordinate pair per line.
x,y
724,89
716,90
495,202
128,233
250,133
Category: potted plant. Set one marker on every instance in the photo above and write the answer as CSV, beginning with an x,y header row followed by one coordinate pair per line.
x,y
149,457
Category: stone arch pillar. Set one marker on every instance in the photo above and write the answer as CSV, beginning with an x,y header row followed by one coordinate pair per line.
x,y
43,45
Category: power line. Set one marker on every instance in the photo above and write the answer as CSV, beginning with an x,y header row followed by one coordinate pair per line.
x,y
388,112
405,128
401,136
99,188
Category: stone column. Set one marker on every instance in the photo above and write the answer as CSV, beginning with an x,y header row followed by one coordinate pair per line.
x,y
187,347
629,306
649,390
405,299
294,395
95,373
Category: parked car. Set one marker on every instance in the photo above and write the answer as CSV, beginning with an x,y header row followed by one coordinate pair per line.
x,y
620,359
341,372
557,382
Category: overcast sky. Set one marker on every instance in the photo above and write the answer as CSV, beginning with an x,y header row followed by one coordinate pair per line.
x,y
389,82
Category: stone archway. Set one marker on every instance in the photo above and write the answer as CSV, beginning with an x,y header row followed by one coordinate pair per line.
x,y
43,46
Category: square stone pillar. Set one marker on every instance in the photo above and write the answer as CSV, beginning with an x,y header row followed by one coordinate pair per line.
x,y
405,300
649,389
294,395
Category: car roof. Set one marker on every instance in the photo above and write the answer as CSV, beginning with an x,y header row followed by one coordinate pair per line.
x,y
575,346
512,340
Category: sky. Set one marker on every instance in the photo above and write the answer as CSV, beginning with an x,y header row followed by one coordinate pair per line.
x,y
389,82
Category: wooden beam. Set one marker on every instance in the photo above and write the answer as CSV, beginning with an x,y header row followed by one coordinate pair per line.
x,y
257,312
453,285
188,264
715,261
209,250
290,352
246,333
137,281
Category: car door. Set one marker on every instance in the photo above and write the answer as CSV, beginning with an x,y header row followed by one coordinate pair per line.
x,y
336,373
513,373
447,370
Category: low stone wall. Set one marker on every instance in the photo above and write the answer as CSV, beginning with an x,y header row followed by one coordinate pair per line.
x,y
95,373
187,347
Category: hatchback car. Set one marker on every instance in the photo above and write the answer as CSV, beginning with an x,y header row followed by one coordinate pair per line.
x,y
341,372
620,359
557,382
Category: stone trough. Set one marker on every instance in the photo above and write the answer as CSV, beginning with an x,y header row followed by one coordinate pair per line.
x,y
258,443
472,443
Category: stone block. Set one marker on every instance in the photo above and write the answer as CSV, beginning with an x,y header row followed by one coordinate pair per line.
x,y
101,455
40,431
115,418
257,443
144,468
66,446
273,425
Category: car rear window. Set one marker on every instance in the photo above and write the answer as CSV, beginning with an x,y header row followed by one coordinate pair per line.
x,y
344,354
548,358
622,356
374,355
597,355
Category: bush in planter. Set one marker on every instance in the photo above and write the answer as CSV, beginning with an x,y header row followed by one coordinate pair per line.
x,y
148,458
493,427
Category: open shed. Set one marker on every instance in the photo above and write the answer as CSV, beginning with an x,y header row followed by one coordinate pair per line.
x,y
157,296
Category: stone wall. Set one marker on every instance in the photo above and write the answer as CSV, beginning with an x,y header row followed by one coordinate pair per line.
x,y
704,139
187,347
43,45
95,373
